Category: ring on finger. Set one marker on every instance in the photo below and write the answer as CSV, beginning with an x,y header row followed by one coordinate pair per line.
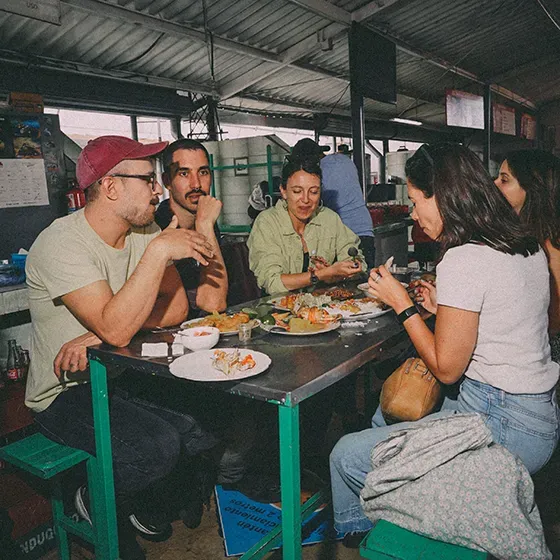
x,y
377,278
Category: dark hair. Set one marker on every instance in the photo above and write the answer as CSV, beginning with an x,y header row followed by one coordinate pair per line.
x,y
293,164
538,173
472,208
181,144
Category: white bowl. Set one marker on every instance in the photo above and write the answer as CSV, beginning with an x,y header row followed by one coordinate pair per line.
x,y
194,340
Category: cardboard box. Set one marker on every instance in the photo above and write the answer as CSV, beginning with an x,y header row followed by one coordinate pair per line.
x,y
26,102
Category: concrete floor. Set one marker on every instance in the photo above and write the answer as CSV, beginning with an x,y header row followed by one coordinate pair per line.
x,y
204,543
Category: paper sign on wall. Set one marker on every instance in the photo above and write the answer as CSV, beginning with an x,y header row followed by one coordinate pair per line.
x,y
464,109
528,127
503,119
23,183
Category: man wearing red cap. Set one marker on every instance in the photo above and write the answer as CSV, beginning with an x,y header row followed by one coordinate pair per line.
x,y
101,274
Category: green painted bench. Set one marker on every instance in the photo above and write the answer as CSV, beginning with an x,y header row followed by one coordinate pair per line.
x,y
46,459
389,541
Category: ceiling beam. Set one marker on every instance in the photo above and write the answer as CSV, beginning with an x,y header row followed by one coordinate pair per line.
x,y
64,88
48,63
103,9
288,58
369,10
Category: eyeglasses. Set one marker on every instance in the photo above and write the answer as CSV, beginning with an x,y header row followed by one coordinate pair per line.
x,y
150,179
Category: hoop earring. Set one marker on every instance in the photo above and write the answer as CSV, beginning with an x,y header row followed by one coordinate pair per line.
x,y
321,204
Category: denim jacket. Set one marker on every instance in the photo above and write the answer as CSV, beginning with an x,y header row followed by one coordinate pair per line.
x,y
275,248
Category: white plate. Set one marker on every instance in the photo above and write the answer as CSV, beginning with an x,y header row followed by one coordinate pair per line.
x,y
365,286
363,316
197,366
193,322
278,330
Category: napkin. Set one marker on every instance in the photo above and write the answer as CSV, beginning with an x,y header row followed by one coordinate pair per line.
x,y
155,349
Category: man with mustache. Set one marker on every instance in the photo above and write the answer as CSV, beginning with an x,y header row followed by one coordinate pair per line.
x,y
186,173
99,275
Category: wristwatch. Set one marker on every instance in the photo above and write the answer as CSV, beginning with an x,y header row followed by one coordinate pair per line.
x,y
408,312
314,277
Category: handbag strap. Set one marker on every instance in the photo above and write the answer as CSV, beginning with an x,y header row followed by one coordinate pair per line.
x,y
419,365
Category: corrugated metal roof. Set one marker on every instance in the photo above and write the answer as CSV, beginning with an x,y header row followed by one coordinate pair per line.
x,y
164,40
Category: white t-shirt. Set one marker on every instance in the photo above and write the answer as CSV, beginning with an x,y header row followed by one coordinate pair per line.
x,y
67,256
511,293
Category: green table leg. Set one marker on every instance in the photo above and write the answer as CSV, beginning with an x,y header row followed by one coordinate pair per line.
x,y
290,482
58,514
100,469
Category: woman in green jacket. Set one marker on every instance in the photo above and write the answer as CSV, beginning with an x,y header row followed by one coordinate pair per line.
x,y
298,242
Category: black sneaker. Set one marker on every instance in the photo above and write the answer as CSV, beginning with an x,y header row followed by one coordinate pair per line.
x,y
149,531
353,540
81,502
129,548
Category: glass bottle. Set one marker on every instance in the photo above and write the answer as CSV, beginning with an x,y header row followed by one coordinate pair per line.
x,y
12,370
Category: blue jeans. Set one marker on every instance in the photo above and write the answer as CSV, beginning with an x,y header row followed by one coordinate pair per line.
x,y
525,424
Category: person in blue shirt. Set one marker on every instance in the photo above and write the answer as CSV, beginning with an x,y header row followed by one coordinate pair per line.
x,y
341,191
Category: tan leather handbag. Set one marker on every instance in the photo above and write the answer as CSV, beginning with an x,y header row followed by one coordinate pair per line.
x,y
409,393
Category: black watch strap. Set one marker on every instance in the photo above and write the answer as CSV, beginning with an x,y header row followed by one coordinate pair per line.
x,y
314,277
408,312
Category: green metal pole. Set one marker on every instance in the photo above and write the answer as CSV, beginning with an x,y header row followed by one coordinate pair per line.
x,y
290,485
58,514
269,169
100,468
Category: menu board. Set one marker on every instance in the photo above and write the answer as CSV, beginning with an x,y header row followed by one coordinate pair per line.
x,y
503,119
464,109
23,183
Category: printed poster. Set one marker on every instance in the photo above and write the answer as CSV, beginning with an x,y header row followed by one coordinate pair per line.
x,y
23,183
528,127
27,138
503,119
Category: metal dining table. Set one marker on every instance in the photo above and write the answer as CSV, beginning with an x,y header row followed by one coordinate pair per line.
x,y
302,366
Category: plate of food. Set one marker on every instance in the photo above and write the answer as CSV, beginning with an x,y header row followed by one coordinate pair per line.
x,y
334,292
221,364
226,324
308,321
353,309
295,301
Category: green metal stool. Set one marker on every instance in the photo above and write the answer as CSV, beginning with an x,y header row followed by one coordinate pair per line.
x,y
46,459
390,541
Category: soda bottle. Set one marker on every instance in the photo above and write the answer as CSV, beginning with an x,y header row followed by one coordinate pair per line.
x,y
12,365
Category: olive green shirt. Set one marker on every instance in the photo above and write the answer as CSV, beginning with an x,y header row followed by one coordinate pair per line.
x,y
275,248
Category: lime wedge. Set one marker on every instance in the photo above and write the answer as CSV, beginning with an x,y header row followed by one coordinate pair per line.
x,y
253,314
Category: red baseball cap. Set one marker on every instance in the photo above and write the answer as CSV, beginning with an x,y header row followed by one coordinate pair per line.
x,y
102,154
